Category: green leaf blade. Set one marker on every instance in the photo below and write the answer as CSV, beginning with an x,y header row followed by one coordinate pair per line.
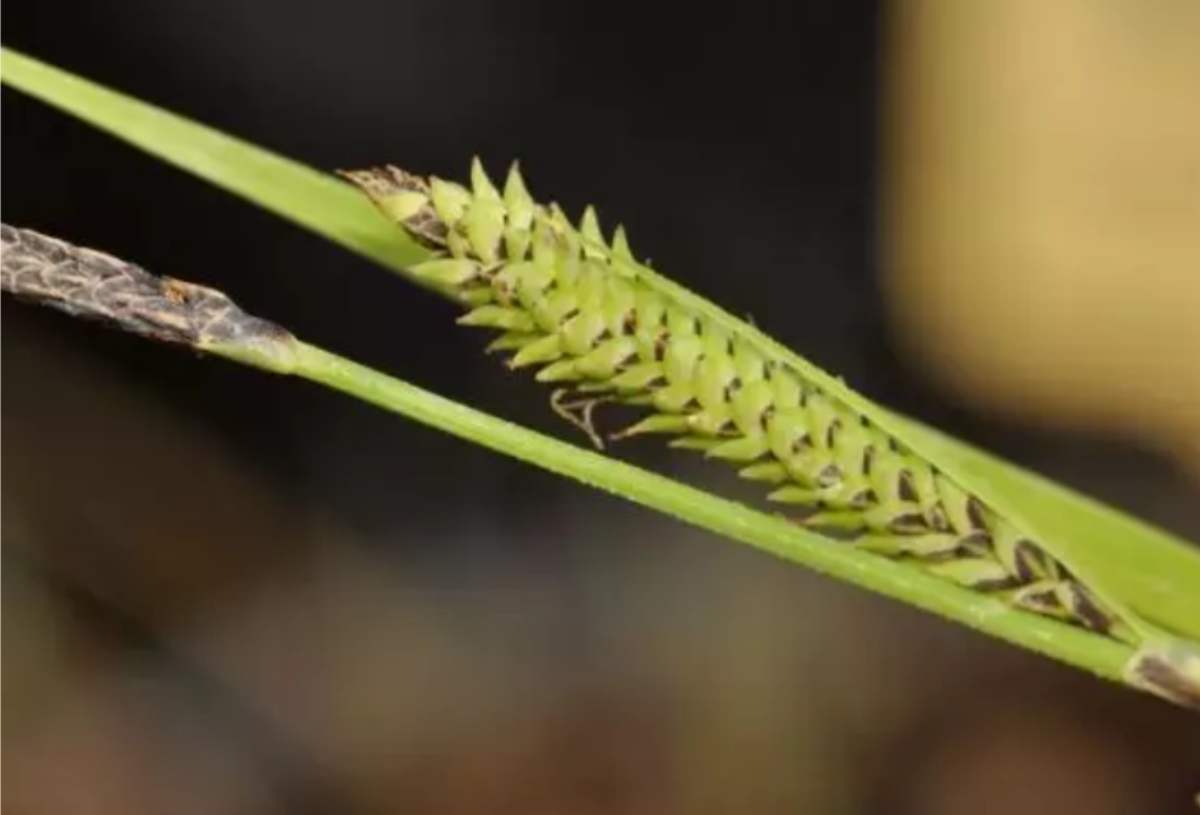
x,y
314,200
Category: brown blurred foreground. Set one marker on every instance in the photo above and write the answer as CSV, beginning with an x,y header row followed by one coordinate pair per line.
x,y
180,638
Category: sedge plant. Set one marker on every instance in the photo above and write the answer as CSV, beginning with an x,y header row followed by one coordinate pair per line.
x,y
870,497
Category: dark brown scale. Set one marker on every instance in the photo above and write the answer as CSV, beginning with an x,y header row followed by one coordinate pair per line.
x,y
910,523
1087,611
1044,601
944,557
831,433
829,476
975,513
905,488
764,418
976,538
938,519
999,584
1027,558
868,460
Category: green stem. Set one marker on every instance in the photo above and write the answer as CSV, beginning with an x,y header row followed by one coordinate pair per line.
x,y
1101,656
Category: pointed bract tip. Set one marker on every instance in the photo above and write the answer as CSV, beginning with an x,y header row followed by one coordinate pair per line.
x,y
620,243
480,183
589,226
516,194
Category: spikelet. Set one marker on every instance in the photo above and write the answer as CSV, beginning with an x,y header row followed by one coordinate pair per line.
x,y
571,305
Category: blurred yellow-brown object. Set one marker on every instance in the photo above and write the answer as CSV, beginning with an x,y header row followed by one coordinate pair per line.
x,y
1042,215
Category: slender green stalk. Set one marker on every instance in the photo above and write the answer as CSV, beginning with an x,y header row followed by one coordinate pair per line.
x,y
782,538
93,285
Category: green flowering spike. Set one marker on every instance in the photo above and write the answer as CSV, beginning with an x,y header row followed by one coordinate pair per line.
x,y
587,316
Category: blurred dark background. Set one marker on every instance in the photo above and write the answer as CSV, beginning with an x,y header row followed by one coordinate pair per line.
x,y
225,591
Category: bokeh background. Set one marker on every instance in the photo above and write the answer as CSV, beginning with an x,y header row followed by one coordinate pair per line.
x,y
227,592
